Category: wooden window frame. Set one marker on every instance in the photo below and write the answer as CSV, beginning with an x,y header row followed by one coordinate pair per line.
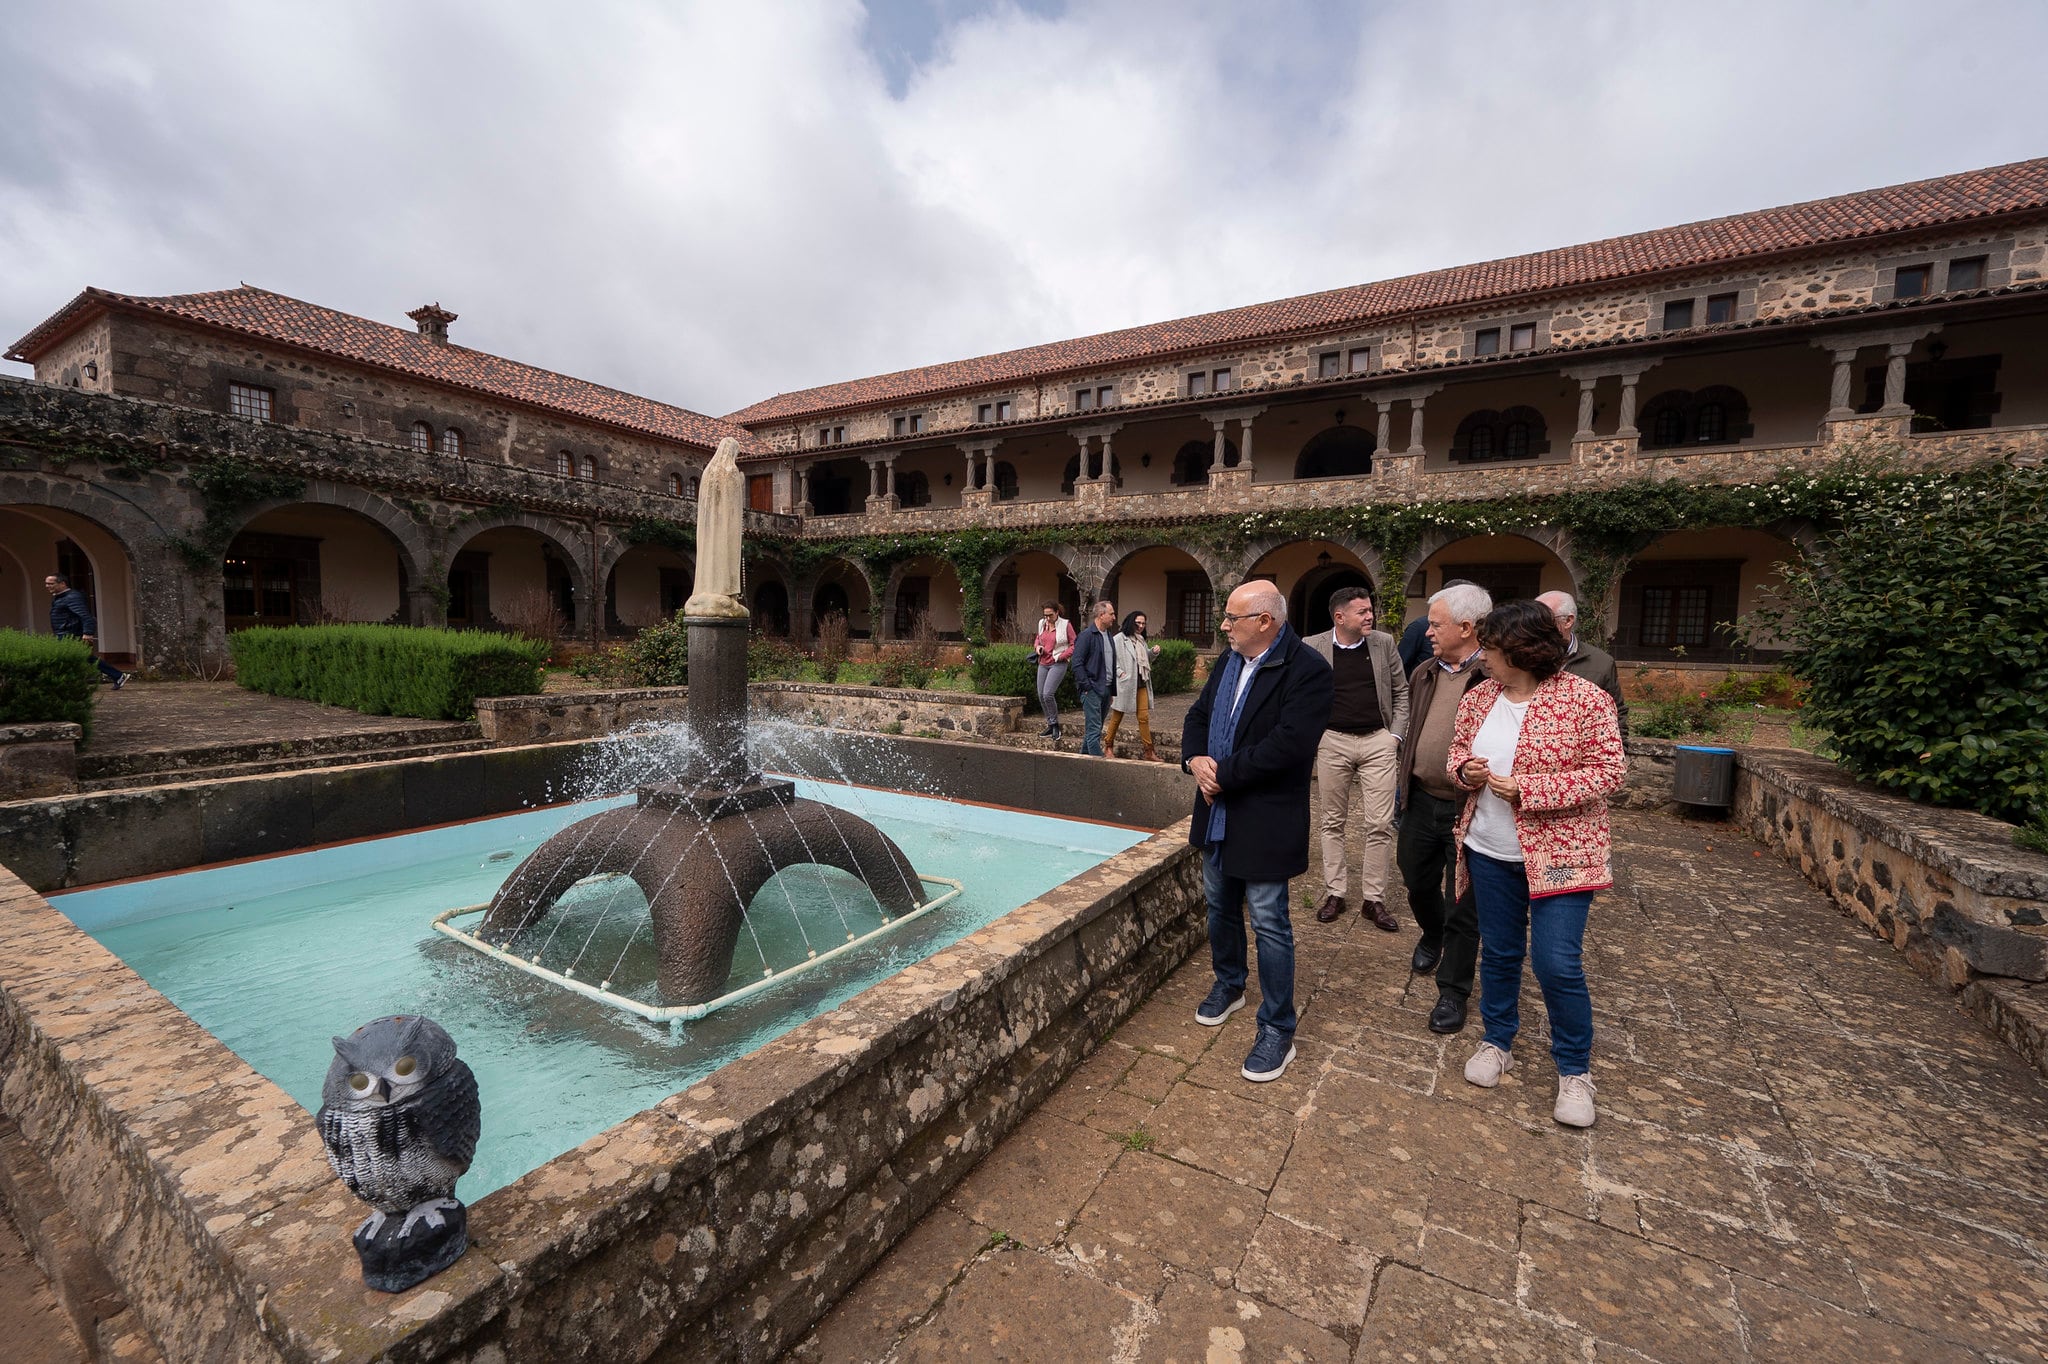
x,y
252,402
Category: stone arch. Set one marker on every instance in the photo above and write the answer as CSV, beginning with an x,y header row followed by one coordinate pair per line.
x,y
1689,586
1365,553
177,623
1167,602
411,537
571,551
948,616
1337,452
1023,612
1552,538
811,596
1307,584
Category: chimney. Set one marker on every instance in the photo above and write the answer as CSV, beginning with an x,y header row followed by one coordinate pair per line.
x,y
433,320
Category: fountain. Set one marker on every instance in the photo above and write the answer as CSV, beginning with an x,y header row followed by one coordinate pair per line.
x,y
701,848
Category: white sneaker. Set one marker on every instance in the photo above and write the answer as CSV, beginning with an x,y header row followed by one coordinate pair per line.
x,y
1487,1065
1574,1100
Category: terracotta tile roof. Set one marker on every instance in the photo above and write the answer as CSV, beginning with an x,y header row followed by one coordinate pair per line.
x,y
1949,199
266,316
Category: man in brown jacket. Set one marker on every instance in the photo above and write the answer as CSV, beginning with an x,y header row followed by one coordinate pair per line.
x,y
1427,851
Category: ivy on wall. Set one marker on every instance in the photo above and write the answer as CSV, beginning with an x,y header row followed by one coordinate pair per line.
x,y
1607,526
228,487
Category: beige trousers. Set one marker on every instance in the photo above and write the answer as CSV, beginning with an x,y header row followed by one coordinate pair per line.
x,y
1369,763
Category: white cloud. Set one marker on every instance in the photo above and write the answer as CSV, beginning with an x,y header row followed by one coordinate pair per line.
x,y
710,203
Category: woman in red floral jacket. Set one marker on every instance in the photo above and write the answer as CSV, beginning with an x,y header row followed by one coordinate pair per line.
x,y
1542,749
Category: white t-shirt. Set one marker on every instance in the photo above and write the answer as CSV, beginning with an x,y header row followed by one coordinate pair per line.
x,y
1492,830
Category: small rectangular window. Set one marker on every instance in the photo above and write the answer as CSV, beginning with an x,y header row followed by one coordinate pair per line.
x,y
1326,365
1084,399
824,435
838,435
1678,314
1720,308
1220,380
1522,336
1486,342
1967,273
1361,359
1198,384
984,414
1003,410
916,422
1105,397
896,427
1911,281
247,400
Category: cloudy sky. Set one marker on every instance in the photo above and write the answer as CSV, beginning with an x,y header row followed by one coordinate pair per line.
x,y
713,202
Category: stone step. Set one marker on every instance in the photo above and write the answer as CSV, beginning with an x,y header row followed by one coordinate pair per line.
x,y
98,767
292,764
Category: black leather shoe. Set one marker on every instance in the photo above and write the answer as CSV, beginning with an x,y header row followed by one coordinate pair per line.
x,y
1427,954
1449,1013
1330,910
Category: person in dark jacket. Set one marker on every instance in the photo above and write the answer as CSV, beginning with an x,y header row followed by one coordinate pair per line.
x,y
1415,644
71,618
1250,743
1094,675
1589,661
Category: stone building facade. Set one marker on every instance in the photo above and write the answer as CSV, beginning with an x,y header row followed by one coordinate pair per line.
x,y
340,469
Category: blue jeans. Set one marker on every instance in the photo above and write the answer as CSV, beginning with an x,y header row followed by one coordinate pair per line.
x,y
1551,932
1093,704
1228,896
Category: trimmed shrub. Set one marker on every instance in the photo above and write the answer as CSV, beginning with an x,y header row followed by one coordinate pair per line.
x,y
44,680
659,655
1173,671
388,669
1004,670
1923,633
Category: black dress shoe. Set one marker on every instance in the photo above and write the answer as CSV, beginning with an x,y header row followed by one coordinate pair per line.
x,y
1330,910
1426,956
1449,1013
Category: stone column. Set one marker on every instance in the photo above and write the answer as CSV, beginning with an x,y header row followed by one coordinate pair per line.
x,y
1585,431
1244,444
1108,467
1386,429
1895,378
889,477
1415,425
972,460
874,477
1216,454
803,490
1841,391
1626,428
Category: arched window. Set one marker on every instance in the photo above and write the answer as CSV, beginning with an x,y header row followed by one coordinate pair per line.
x,y
1336,452
565,464
451,441
1006,481
1717,415
1191,462
913,489
422,437
695,482
1479,444
1514,443
1667,426
675,485
590,467
1710,423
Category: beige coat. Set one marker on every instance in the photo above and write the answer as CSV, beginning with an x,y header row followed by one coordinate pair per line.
x,y
1388,679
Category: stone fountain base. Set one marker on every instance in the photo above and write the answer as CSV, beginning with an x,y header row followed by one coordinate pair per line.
x,y
700,855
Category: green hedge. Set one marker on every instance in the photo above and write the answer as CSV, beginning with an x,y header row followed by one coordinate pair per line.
x,y
1173,671
388,669
45,680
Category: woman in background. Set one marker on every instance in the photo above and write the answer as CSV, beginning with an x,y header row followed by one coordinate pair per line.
x,y
1134,655
1055,645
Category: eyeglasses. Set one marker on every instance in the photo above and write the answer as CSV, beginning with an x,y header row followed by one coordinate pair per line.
x,y
1227,618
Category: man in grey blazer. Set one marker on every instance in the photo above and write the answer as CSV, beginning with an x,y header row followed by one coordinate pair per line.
x,y
1359,751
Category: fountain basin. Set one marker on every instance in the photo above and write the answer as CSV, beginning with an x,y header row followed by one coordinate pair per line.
x,y
718,1222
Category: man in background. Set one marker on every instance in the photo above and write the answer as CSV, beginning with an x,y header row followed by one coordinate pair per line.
x,y
71,618
1585,660
1094,675
1360,750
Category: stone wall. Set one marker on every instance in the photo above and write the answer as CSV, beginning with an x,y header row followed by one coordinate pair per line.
x,y
159,360
38,760
877,709
511,720
720,1223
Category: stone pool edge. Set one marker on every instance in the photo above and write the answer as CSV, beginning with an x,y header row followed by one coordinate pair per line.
x,y
729,1216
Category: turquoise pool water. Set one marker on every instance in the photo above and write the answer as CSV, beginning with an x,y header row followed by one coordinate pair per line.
x,y
276,957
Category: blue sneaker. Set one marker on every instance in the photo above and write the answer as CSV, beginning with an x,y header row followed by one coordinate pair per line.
x,y
1220,1004
1269,1057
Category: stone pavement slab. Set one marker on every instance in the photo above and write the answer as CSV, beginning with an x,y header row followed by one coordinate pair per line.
x,y
1804,1153
152,716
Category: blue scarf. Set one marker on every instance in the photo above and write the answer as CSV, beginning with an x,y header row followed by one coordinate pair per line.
x,y
1223,725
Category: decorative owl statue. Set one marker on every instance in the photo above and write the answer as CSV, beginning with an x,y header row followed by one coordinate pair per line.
x,y
399,1116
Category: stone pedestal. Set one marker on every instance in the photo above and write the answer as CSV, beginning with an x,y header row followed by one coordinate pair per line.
x,y
718,698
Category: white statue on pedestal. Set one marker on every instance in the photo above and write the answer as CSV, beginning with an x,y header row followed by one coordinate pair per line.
x,y
721,500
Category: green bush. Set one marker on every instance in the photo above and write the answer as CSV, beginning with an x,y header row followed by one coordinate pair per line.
x,y
1004,670
388,669
1922,632
773,660
1684,715
44,680
659,655
1173,671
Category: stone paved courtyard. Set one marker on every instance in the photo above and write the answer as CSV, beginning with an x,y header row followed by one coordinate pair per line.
x,y
1805,1153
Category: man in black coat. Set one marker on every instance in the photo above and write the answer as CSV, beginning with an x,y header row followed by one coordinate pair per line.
x,y
1250,743
71,618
